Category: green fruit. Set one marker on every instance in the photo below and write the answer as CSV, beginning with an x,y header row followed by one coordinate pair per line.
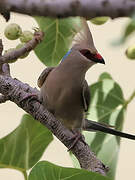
x,y
130,52
26,36
13,31
8,51
20,46
99,20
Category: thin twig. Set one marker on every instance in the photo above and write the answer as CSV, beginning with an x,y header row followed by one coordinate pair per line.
x,y
38,37
132,96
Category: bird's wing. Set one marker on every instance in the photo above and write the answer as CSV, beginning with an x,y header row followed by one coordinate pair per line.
x,y
86,96
43,76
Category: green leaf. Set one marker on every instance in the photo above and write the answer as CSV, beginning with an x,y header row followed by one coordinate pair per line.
x,y
58,37
130,28
107,105
47,171
109,149
104,75
100,20
23,147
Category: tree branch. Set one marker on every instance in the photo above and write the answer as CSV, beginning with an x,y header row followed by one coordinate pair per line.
x,y
58,8
15,90
20,93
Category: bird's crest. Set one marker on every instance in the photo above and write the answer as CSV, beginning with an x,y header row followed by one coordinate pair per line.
x,y
84,37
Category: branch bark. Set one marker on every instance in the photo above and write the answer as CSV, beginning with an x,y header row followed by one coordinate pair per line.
x,y
58,8
15,90
3,99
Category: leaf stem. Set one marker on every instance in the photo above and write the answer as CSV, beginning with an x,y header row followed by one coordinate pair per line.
x,y
25,175
129,99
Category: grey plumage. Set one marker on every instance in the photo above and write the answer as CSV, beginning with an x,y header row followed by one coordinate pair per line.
x,y
64,90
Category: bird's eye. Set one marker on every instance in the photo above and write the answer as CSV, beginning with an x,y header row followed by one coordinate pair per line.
x,y
86,53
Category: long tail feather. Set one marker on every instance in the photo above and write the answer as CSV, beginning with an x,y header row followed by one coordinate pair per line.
x,y
96,126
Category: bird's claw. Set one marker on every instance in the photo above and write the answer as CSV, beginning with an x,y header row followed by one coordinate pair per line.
x,y
30,97
77,136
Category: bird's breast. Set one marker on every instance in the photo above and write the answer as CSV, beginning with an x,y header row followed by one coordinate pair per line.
x,y
63,96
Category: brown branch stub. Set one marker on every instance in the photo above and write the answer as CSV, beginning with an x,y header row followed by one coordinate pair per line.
x,y
5,70
6,15
58,8
38,37
1,50
1,47
17,90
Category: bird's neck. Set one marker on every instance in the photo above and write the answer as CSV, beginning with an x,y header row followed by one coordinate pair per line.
x,y
73,71
75,64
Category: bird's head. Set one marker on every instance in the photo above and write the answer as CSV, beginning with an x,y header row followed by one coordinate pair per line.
x,y
83,42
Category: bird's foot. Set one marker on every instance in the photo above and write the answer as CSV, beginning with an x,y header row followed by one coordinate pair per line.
x,y
77,136
30,97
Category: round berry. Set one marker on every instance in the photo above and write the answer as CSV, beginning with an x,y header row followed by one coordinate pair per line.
x,y
99,20
13,31
26,36
130,52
